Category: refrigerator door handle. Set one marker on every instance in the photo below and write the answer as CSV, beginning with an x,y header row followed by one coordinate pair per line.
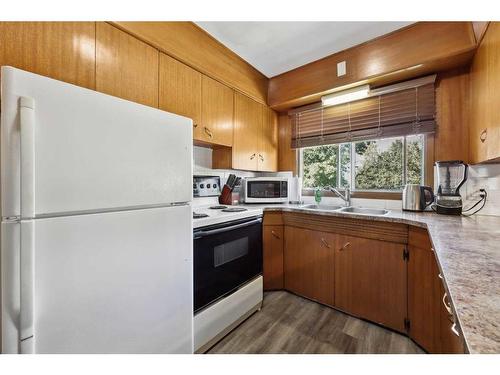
x,y
27,125
27,280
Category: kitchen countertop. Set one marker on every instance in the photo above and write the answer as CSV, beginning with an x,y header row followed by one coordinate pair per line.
x,y
468,254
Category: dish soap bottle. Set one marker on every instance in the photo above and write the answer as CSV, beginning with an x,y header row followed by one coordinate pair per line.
x,y
317,195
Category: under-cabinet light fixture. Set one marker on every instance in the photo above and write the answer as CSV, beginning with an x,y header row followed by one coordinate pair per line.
x,y
345,96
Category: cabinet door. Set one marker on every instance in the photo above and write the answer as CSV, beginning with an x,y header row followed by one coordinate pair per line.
x,y
268,154
309,264
450,341
370,280
180,92
247,132
493,33
217,112
273,257
125,66
59,50
423,297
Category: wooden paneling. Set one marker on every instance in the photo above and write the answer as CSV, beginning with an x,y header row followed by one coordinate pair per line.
x,y
485,91
479,30
273,256
125,66
423,292
180,91
191,45
269,144
378,230
309,264
410,52
451,141
287,157
247,132
370,280
273,218
216,112
60,50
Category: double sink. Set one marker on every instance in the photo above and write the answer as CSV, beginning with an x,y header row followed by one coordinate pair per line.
x,y
348,210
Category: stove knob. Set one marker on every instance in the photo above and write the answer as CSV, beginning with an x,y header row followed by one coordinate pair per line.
x,y
208,186
202,186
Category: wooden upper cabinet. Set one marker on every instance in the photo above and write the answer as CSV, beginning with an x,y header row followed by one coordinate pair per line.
x,y
370,280
247,132
485,90
125,66
309,264
59,50
268,155
217,109
180,91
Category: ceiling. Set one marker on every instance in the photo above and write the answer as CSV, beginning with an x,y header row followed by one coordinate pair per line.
x,y
277,47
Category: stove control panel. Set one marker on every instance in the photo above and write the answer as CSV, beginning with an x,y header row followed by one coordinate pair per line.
x,y
206,186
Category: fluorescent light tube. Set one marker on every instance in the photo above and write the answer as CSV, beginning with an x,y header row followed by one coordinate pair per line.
x,y
345,96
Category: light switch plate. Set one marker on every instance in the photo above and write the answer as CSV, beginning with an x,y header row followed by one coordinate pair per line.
x,y
341,69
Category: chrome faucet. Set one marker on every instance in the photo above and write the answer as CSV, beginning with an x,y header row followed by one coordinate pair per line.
x,y
345,197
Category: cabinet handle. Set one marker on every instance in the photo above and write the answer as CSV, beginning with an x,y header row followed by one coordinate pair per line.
x,y
455,330
346,245
483,135
195,125
207,130
448,307
325,243
275,234
440,276
261,157
252,157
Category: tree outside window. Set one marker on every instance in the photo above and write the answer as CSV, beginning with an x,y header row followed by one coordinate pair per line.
x,y
384,164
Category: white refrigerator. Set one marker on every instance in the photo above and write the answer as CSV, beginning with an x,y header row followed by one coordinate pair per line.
x,y
96,233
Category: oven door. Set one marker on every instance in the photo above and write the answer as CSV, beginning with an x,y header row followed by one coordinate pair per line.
x,y
226,256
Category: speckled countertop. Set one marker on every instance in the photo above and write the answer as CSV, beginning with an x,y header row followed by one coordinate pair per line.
x,y
468,253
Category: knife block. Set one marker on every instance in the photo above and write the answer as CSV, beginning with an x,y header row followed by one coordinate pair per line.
x,y
226,196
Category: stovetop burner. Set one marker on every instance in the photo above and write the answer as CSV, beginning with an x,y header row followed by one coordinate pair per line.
x,y
218,207
234,209
198,216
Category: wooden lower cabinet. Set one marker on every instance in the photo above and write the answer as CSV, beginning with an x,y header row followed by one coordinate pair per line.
x,y
370,280
273,256
309,264
430,322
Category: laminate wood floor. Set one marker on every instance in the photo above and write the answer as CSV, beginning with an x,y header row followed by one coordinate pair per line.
x,y
290,324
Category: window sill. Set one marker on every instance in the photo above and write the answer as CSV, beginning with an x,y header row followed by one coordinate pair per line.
x,y
389,195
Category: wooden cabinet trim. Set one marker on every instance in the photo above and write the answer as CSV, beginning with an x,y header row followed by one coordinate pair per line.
x,y
273,218
378,230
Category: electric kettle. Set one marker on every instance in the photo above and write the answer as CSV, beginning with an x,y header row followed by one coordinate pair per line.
x,y
417,197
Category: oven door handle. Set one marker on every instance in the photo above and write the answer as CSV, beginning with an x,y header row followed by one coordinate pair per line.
x,y
205,233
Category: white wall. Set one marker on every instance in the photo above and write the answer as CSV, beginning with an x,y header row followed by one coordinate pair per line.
x,y
486,177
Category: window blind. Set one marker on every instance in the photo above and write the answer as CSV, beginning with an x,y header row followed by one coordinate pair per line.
x,y
396,110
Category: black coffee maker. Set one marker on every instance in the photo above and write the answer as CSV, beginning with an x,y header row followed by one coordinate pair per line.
x,y
451,175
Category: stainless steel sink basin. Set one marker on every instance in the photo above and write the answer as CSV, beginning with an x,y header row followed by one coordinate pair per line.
x,y
326,207
364,211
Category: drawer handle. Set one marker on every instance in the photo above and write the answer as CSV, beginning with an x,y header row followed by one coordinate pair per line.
x,y
261,157
252,157
440,276
345,247
448,307
455,330
483,135
207,130
275,234
325,243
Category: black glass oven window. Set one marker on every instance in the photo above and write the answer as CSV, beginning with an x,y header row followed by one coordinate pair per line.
x,y
263,189
230,251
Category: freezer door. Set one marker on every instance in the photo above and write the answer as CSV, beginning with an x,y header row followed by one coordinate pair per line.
x,y
69,149
117,282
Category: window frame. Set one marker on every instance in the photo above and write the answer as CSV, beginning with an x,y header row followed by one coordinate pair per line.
x,y
428,170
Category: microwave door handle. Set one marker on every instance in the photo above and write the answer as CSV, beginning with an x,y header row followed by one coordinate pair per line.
x,y
203,233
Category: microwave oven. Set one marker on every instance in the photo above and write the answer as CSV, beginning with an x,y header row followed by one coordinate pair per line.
x,y
264,190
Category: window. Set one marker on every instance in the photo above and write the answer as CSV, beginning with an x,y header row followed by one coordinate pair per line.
x,y
384,164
